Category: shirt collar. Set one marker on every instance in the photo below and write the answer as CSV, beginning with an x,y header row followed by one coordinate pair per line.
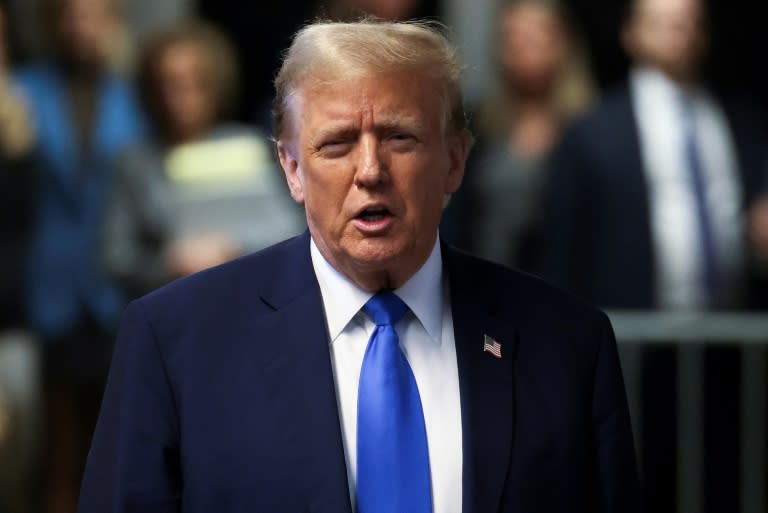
x,y
342,299
650,81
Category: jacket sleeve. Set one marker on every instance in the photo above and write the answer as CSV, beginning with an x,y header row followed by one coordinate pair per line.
x,y
134,464
619,489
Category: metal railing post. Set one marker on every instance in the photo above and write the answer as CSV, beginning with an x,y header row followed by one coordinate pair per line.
x,y
754,477
690,429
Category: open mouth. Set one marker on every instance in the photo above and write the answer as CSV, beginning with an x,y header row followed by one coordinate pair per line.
x,y
375,220
372,215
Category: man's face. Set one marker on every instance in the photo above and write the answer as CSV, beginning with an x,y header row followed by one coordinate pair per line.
x,y
668,35
371,161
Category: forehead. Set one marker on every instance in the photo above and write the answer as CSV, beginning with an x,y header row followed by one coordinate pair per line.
x,y
83,6
526,12
184,51
666,8
399,98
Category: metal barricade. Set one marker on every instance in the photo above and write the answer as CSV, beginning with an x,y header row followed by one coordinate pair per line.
x,y
691,333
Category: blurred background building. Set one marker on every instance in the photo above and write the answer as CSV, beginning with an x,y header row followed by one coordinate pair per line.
x,y
621,153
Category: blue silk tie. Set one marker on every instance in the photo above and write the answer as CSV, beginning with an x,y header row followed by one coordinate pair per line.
x,y
392,455
710,272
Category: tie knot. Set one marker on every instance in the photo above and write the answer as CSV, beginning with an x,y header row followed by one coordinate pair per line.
x,y
385,308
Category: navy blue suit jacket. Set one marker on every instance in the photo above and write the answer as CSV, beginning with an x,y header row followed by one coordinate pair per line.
x,y
221,397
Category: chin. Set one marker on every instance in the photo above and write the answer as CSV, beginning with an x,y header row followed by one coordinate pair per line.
x,y
376,253
374,257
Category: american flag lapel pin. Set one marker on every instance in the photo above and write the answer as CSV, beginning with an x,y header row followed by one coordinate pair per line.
x,y
490,345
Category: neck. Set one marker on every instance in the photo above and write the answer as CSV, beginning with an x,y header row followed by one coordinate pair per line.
x,y
541,98
182,136
374,277
681,77
376,281
81,71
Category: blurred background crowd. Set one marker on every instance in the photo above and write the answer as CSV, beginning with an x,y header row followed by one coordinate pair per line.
x,y
621,153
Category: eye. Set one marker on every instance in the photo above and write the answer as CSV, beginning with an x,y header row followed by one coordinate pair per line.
x,y
401,141
335,148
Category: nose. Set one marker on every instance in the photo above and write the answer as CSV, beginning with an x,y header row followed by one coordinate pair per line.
x,y
372,169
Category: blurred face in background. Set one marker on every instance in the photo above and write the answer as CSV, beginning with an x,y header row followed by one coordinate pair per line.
x,y
668,35
187,90
83,29
532,46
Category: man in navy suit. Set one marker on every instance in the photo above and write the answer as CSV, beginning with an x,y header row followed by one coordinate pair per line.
x,y
650,188
364,366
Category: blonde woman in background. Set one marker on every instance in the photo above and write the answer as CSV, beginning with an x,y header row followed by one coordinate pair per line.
x,y
200,190
542,83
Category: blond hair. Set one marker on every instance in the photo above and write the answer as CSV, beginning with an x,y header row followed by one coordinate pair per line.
x,y
328,51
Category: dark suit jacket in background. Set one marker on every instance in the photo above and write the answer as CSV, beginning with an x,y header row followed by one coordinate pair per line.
x,y
596,234
221,397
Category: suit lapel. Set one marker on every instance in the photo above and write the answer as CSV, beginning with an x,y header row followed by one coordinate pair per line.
x,y
299,368
486,385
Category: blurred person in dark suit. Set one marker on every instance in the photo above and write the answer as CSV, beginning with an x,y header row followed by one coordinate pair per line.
x,y
645,209
188,80
83,116
649,189
543,84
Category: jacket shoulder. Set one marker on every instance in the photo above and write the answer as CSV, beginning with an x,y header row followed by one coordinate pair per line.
x,y
611,113
529,296
219,289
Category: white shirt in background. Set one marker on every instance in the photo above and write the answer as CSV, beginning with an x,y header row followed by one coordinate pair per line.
x,y
658,107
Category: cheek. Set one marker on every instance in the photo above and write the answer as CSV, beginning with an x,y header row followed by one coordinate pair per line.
x,y
325,191
319,183
425,190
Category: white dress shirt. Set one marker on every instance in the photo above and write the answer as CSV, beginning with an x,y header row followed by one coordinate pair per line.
x,y
427,340
658,107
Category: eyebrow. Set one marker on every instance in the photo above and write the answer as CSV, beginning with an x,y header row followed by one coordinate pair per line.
x,y
393,124
338,130
386,125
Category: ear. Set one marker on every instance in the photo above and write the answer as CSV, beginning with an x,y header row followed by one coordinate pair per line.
x,y
290,164
459,145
